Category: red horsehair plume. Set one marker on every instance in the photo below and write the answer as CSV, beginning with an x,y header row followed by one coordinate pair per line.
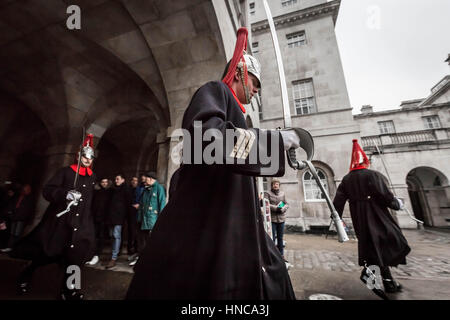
x,y
359,158
89,141
238,56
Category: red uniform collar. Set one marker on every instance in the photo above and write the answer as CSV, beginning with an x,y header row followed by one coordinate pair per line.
x,y
82,170
358,168
237,100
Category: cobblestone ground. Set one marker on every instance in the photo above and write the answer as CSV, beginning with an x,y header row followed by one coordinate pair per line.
x,y
323,265
429,258
417,266
435,264
317,265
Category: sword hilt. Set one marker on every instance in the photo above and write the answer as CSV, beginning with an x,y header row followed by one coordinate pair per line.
x,y
292,160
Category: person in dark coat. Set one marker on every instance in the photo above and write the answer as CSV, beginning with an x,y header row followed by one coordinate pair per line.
x,y
132,224
152,203
174,182
380,239
100,207
66,240
6,212
119,208
209,241
22,215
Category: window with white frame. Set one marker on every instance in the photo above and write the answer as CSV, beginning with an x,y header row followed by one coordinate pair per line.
x,y
303,92
386,126
431,122
255,47
252,8
286,3
296,39
311,188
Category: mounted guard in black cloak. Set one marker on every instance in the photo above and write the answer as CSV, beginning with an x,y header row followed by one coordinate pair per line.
x,y
380,239
209,241
65,234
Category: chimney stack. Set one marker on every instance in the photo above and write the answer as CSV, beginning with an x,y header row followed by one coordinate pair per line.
x,y
366,109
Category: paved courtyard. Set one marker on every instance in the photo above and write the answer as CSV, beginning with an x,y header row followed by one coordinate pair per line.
x,y
317,265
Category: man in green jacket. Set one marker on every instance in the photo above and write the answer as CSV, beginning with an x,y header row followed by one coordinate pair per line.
x,y
152,202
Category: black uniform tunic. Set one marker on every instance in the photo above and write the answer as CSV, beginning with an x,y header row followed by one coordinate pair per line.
x,y
70,236
380,239
209,241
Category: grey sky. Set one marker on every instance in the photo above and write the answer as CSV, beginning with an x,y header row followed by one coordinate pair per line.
x,y
401,58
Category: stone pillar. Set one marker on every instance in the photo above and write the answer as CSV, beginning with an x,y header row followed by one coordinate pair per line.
x,y
163,156
175,155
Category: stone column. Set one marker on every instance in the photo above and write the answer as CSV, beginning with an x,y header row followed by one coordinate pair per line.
x,y
163,155
175,147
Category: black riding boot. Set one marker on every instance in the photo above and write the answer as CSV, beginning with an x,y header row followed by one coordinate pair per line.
x,y
390,285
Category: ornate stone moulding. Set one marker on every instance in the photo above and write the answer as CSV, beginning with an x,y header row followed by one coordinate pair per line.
x,y
300,16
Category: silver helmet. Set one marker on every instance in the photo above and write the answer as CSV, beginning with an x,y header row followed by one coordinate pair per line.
x,y
253,66
87,152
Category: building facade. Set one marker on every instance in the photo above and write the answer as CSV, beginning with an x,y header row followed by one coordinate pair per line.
x,y
318,97
414,144
129,73
319,103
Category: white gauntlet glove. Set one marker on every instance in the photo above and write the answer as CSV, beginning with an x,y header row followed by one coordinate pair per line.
x,y
73,195
400,203
290,139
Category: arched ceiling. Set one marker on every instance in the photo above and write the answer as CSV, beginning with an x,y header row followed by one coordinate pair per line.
x,y
62,75
131,60
30,137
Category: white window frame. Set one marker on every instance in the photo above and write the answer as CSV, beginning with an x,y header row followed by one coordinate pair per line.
x,y
312,183
384,129
286,3
304,96
296,39
432,122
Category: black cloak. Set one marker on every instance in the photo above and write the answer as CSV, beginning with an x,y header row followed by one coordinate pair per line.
x,y
209,241
380,239
70,236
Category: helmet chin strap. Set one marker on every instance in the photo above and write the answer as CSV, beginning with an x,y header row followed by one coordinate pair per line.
x,y
244,85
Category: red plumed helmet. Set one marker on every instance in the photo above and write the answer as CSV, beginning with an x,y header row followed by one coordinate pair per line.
x,y
238,56
87,151
359,157
89,140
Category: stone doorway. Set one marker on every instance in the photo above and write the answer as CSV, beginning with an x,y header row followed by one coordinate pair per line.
x,y
427,189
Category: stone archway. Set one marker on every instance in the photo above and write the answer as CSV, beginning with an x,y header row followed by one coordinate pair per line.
x,y
428,191
131,60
